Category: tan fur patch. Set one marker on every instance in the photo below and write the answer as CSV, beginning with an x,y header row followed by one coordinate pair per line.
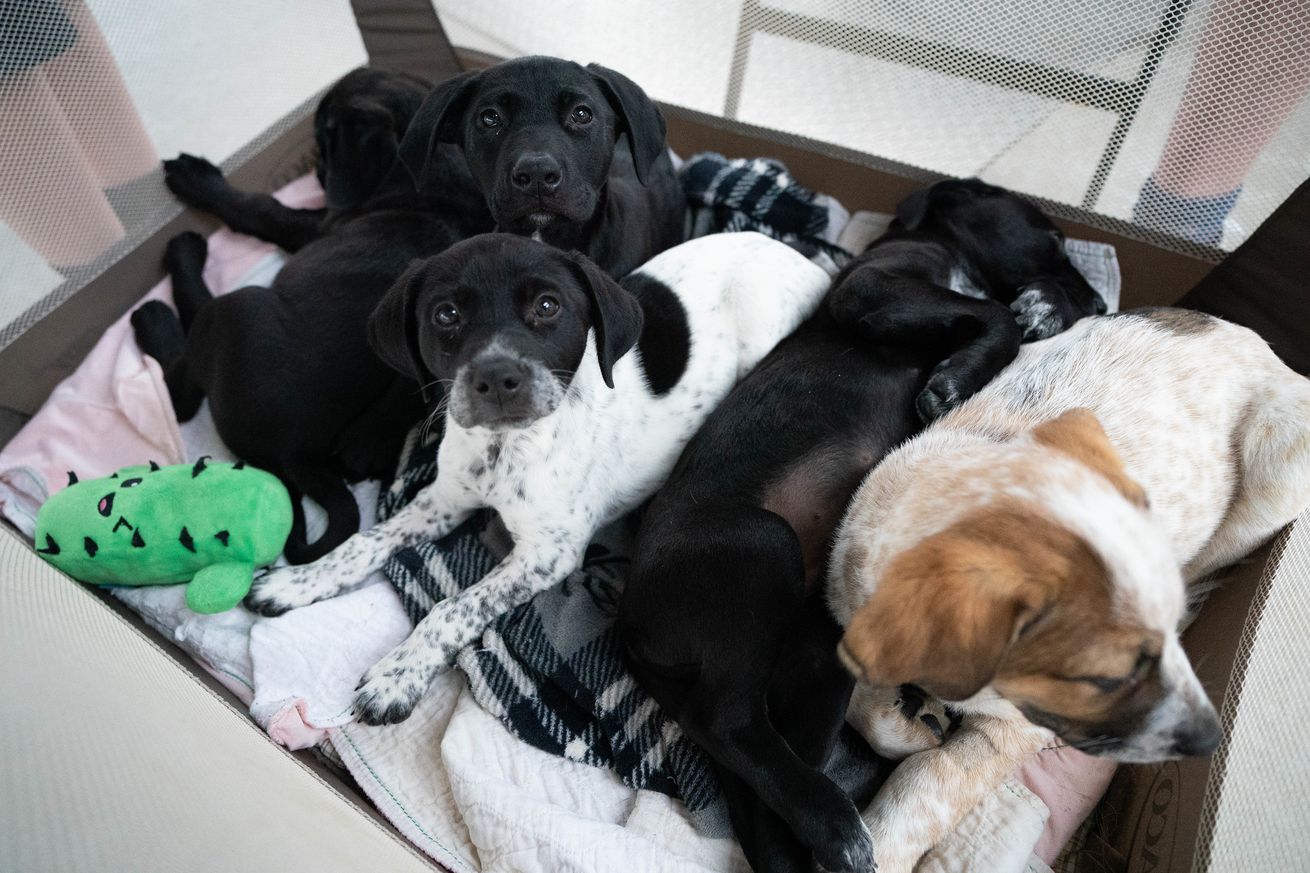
x,y
946,611
1079,434
1005,597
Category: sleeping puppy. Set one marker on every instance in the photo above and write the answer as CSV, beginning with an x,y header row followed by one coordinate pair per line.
x,y
722,615
574,156
567,398
291,381
358,128
1009,558
998,243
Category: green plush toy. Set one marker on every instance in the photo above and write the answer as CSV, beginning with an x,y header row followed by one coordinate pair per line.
x,y
207,524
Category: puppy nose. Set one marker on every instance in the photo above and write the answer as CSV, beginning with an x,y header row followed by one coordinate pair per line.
x,y
1199,737
503,376
536,170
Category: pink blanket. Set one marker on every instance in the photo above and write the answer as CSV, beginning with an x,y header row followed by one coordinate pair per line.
x,y
114,410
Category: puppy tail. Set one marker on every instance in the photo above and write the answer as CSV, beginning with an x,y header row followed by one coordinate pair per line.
x,y
328,490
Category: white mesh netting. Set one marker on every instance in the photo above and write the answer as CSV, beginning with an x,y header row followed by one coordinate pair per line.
x,y
1073,101
94,93
1253,817
1186,119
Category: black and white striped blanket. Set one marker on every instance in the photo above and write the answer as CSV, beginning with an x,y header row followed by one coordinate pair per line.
x,y
551,670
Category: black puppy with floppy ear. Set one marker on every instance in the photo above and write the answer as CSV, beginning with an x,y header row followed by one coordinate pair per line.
x,y
358,126
574,156
1002,243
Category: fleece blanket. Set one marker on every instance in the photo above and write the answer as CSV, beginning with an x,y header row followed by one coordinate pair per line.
x,y
453,778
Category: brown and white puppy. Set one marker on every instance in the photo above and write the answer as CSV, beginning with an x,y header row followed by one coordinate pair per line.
x,y
1008,559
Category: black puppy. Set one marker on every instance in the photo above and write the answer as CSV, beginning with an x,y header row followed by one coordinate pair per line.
x,y
292,383
722,616
1001,244
573,156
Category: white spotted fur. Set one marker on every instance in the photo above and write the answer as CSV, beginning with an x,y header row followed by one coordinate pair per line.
x,y
593,459
1210,422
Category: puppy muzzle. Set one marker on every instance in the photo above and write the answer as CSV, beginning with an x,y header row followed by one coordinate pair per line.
x,y
503,392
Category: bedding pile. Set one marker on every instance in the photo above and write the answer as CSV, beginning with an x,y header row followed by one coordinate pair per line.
x,y
465,777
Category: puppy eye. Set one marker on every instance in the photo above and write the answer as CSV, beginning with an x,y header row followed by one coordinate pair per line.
x,y
446,315
490,118
546,307
1107,684
582,115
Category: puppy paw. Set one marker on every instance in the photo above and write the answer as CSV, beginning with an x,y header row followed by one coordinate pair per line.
x,y
186,253
943,393
279,591
902,721
389,691
847,846
158,332
1041,313
195,181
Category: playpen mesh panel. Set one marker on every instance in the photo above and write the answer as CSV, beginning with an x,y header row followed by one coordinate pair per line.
x,y
93,94
1254,815
1072,101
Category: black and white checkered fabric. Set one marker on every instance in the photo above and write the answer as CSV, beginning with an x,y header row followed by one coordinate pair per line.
x,y
734,194
551,670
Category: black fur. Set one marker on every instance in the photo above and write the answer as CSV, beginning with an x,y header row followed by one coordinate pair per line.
x,y
471,313
665,344
604,186
999,240
723,617
292,384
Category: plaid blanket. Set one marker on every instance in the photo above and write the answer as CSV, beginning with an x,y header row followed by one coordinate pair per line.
x,y
732,194
551,670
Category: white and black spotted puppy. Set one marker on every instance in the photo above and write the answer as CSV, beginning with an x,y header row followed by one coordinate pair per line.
x,y
568,398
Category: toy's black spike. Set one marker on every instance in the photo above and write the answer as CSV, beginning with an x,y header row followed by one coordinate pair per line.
x,y
222,536
72,478
154,468
185,539
51,547
137,541
90,546
199,467
239,465
115,476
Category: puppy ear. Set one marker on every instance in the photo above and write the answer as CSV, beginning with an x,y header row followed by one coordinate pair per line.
x,y
393,327
437,121
351,167
1078,433
616,316
639,117
942,617
911,211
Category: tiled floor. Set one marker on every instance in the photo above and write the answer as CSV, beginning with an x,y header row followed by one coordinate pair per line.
x,y
207,77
